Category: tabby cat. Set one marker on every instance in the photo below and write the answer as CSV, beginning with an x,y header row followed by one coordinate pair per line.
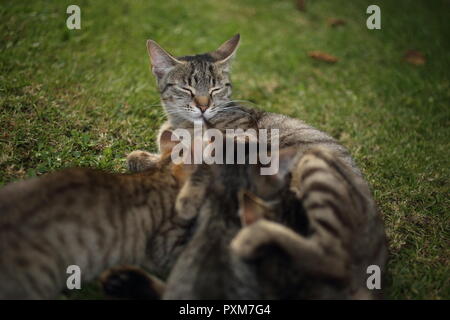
x,y
91,219
345,233
311,231
198,89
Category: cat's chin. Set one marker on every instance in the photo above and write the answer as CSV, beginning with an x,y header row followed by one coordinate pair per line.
x,y
177,122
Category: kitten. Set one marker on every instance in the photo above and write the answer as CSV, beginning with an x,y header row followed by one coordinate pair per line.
x,y
198,89
345,233
91,219
189,200
319,240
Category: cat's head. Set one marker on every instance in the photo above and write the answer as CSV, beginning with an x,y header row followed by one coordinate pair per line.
x,y
193,88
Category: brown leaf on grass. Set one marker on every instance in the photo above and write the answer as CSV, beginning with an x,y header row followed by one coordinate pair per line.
x,y
301,5
333,22
322,56
414,57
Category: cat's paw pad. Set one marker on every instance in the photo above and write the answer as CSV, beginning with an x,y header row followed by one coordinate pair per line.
x,y
138,160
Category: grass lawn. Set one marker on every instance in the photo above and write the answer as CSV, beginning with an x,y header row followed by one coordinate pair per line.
x,y
86,97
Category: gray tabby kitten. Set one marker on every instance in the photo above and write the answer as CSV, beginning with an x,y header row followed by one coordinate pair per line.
x,y
310,232
91,219
198,89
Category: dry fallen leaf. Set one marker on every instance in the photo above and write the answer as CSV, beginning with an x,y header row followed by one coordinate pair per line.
x,y
322,56
301,5
414,57
333,22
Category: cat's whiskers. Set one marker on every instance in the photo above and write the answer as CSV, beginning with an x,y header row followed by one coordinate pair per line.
x,y
244,101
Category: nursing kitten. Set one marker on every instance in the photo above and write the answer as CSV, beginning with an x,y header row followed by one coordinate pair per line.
x,y
345,233
198,89
323,233
91,219
196,193
207,268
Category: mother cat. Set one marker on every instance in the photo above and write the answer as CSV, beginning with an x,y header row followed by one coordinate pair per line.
x,y
198,89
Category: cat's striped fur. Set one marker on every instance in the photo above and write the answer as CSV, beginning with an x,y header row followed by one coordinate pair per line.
x,y
345,234
323,234
91,219
314,236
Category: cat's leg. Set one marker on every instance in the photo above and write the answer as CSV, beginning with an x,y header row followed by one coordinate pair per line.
x,y
138,160
129,282
307,253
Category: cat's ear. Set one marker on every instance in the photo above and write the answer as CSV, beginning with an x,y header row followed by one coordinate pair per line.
x,y
162,61
224,54
167,141
251,208
287,159
269,183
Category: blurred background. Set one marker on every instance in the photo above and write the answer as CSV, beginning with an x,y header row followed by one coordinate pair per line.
x,y
86,97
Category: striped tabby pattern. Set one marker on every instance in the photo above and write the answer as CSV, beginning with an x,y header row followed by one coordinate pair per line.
x,y
87,218
344,237
320,233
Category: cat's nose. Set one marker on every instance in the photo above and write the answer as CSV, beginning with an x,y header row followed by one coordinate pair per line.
x,y
202,102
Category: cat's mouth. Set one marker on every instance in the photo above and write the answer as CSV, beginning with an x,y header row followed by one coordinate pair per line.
x,y
204,116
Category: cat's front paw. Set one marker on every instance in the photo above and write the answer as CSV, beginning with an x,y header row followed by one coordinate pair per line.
x,y
247,243
129,282
138,161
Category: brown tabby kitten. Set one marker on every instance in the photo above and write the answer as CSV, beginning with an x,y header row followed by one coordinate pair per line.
x,y
91,219
325,233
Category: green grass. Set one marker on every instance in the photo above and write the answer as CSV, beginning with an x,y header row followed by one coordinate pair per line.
x,y
84,97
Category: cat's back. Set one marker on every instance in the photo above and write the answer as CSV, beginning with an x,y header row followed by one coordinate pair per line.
x,y
54,190
296,132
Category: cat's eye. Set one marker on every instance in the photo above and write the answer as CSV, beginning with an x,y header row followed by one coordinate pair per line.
x,y
189,90
214,90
